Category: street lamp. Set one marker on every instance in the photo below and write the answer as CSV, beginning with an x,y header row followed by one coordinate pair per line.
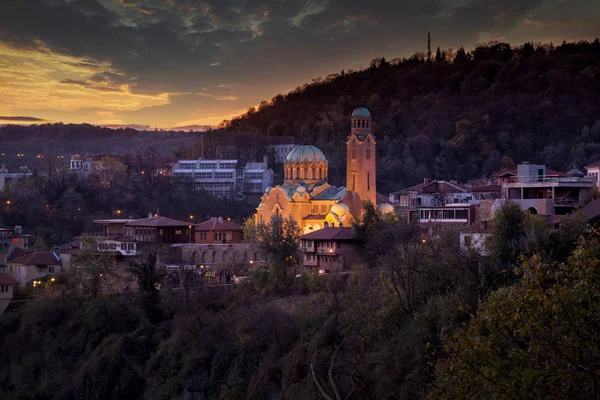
x,y
190,234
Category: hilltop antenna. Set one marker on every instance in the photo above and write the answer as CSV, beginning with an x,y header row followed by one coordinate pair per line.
x,y
428,46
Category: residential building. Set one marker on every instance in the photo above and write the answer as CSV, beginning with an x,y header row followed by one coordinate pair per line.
x,y
593,172
8,179
429,196
224,178
330,250
7,285
547,192
14,237
31,266
307,197
475,238
281,146
218,230
84,165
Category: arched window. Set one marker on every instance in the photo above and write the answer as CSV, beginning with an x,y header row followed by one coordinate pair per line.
x,y
368,153
320,173
224,256
313,173
353,153
297,172
214,256
194,255
305,173
245,256
353,181
203,257
368,181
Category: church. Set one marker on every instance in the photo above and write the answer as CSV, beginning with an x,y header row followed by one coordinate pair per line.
x,y
305,194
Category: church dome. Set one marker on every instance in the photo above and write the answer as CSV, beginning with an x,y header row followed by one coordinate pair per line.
x,y
340,209
385,208
304,153
361,112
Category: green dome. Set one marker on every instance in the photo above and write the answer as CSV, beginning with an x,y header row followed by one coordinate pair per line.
x,y
361,112
305,153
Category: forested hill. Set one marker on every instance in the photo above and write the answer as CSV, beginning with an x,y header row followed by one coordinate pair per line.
x,y
463,115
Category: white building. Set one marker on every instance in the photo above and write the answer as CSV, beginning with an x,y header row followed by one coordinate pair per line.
x,y
224,178
281,146
9,178
593,172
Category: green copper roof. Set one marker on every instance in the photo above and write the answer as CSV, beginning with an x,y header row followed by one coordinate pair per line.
x,y
361,112
305,153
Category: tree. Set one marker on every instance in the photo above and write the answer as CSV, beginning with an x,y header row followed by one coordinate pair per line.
x,y
92,264
506,243
147,279
536,339
461,56
277,241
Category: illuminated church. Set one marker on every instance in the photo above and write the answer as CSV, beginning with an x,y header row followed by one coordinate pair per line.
x,y
310,199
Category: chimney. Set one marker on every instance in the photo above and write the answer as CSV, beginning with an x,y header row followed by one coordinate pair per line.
x,y
220,219
265,160
149,215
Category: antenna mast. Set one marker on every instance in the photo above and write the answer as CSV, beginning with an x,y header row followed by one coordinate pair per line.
x,y
428,47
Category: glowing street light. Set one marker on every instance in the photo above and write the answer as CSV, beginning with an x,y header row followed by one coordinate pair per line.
x,y
8,202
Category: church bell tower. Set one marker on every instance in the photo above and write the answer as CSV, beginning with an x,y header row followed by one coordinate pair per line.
x,y
360,160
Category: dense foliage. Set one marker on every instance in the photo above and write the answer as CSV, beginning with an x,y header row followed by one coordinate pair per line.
x,y
462,116
57,205
376,333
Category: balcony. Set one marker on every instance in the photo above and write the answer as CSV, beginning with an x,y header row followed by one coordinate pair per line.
x,y
326,250
310,262
566,201
553,179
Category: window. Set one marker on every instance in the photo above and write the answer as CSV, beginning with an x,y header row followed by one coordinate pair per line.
x,y
50,270
353,153
368,181
368,153
353,181
4,289
323,209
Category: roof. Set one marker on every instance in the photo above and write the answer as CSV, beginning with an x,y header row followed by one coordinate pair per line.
x,y
331,193
513,172
158,222
217,225
595,164
113,221
331,234
421,186
279,140
487,188
381,199
314,217
16,253
73,244
304,153
37,258
592,209
361,112
7,280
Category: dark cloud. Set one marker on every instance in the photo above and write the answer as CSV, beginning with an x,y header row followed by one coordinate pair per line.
x,y
203,46
21,119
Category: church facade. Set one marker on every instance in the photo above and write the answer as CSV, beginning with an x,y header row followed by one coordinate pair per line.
x,y
306,194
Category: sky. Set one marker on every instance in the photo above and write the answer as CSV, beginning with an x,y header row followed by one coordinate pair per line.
x,y
173,63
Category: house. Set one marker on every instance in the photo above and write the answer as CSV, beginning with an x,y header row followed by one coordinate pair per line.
x,y
330,250
593,172
7,285
437,201
475,238
34,265
217,230
544,191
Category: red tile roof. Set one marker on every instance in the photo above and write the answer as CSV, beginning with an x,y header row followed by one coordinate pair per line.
x,y
7,280
216,225
37,258
158,222
330,234
16,253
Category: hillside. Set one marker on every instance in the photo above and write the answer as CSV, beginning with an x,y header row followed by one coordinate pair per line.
x,y
461,116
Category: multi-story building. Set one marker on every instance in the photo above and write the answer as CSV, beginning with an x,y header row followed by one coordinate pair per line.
x,y
547,192
31,266
8,179
330,250
84,165
224,178
593,171
281,146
